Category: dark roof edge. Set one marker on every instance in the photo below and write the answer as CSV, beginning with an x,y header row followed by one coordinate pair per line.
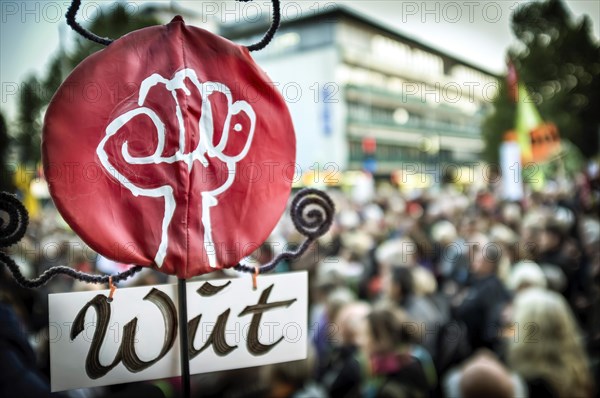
x,y
237,30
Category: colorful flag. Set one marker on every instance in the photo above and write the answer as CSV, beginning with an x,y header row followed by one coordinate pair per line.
x,y
527,119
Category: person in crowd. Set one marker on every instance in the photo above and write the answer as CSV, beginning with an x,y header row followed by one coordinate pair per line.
x,y
323,324
342,376
548,351
19,376
455,261
409,289
526,274
397,364
556,248
483,375
479,306
293,379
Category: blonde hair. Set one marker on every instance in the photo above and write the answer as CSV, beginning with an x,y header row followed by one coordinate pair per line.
x,y
549,345
526,274
424,281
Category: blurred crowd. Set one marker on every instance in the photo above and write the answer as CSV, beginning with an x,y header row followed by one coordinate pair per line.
x,y
447,291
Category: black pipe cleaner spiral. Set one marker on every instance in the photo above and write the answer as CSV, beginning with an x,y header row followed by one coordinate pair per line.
x,y
312,214
13,229
75,4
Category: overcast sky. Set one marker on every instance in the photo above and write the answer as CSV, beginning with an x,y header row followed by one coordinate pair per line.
x,y
476,31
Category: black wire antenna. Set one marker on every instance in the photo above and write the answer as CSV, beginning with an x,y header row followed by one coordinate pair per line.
x,y
311,212
105,41
12,231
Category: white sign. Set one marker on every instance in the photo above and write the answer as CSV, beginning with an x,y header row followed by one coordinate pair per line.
x,y
510,163
136,336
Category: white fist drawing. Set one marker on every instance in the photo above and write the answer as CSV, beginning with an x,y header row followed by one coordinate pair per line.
x,y
205,149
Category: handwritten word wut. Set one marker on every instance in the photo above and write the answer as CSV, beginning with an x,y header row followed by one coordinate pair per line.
x,y
135,337
127,353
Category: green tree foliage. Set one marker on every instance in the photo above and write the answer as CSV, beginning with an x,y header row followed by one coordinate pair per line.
x,y
115,22
5,172
558,59
36,92
29,121
498,123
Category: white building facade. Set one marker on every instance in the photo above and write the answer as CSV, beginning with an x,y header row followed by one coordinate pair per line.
x,y
346,78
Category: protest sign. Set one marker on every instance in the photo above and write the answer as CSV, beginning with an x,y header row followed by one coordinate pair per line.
x,y
135,337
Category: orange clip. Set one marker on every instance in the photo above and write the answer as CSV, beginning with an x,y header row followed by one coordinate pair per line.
x,y
112,289
254,276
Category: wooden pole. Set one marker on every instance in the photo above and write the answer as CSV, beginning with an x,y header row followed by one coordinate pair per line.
x,y
184,351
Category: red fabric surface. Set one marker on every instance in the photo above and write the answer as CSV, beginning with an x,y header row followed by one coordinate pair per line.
x,y
119,207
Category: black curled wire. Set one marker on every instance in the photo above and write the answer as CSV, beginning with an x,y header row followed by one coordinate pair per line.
x,y
275,22
75,4
13,227
71,13
312,214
